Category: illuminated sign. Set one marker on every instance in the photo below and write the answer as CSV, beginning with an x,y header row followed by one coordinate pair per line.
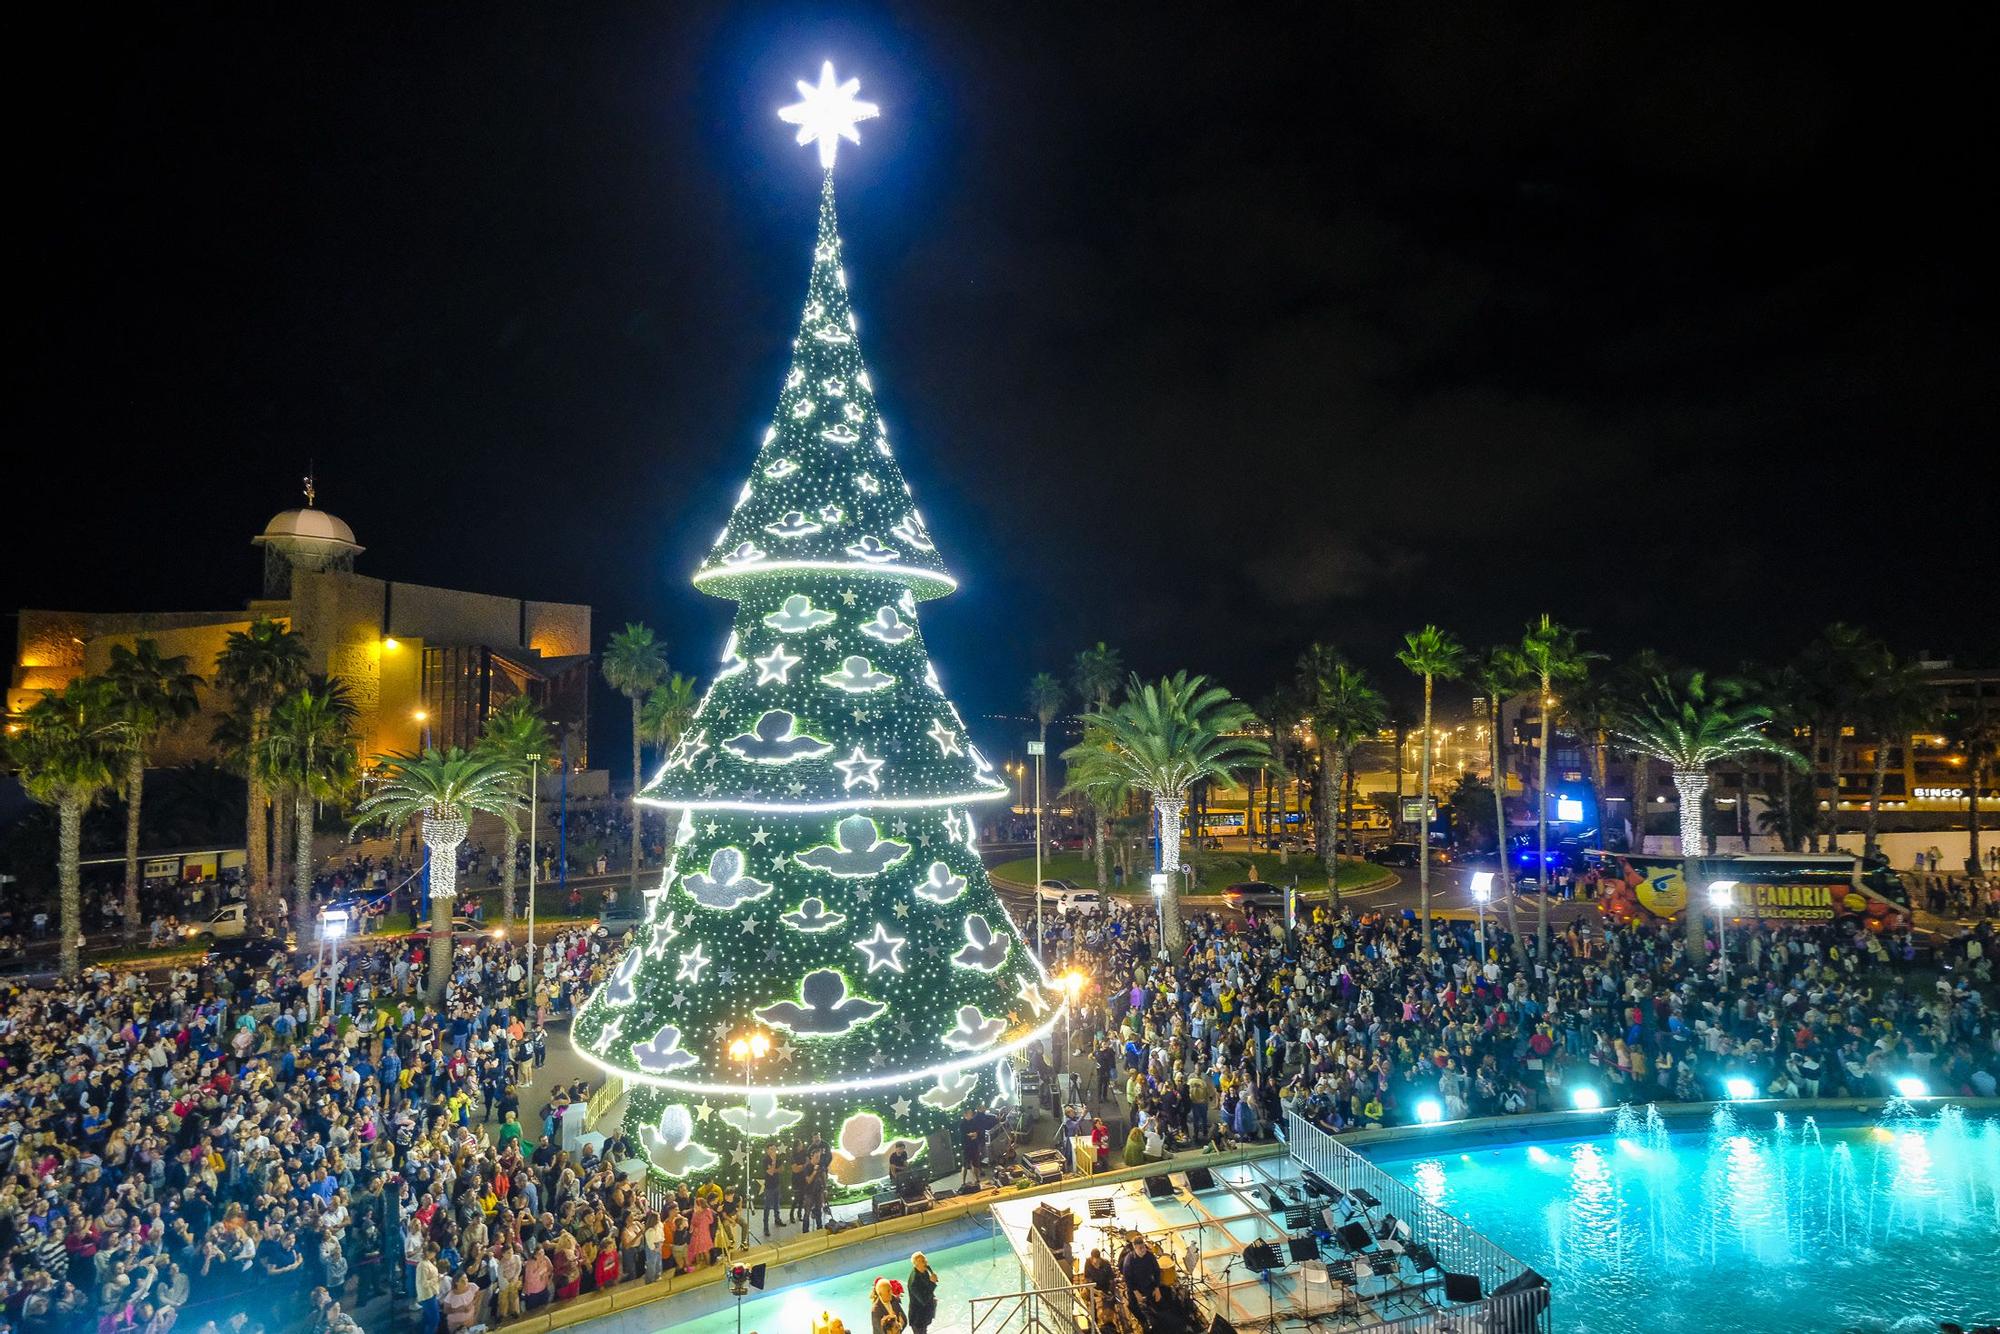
x,y
1569,808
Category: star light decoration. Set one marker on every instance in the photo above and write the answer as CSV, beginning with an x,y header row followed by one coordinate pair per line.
x,y
828,113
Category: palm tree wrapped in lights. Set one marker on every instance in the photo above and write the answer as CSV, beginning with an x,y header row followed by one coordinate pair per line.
x,y
1690,723
443,789
1166,737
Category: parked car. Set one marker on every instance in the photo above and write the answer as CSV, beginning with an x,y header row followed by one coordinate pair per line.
x,y
251,949
622,918
1254,894
1063,895
1394,854
461,925
226,923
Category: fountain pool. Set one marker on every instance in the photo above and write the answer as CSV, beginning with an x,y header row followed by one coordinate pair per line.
x,y
1762,1221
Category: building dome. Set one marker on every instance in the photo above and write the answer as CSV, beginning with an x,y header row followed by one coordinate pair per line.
x,y
309,539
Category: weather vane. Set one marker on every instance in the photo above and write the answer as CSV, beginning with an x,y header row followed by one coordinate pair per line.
x,y
828,113
312,490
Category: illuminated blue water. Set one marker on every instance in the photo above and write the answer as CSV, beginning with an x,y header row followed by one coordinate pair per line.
x,y
1762,1223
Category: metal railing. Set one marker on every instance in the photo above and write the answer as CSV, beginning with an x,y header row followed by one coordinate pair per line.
x,y
1457,1247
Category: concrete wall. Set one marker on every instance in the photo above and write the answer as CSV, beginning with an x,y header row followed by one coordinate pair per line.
x,y
558,629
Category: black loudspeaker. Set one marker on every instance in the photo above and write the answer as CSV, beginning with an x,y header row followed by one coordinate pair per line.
x,y
1220,1326
1057,1226
1353,1237
1461,1287
1304,1248
757,1277
1159,1188
1259,1257
1200,1178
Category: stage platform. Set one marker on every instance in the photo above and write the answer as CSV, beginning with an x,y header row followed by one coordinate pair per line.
x,y
1206,1232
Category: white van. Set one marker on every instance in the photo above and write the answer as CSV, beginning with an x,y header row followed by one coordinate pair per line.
x,y
232,919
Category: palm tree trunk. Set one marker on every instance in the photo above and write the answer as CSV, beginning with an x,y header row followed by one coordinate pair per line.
x,y
1169,808
135,787
438,837
1424,821
637,809
256,832
1542,876
1978,776
1875,781
69,878
302,858
281,837
1332,854
1100,834
1332,771
1599,777
510,846
1691,785
1500,826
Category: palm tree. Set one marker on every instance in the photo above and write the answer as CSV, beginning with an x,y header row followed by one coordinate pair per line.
x,y
64,750
151,695
1435,656
1689,724
667,712
1166,737
1097,675
1315,665
308,752
443,789
1589,709
514,732
1838,668
1550,653
634,663
1092,777
1279,712
1500,675
1899,701
1346,712
1974,729
257,666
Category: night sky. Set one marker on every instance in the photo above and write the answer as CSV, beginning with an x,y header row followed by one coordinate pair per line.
x,y
1205,337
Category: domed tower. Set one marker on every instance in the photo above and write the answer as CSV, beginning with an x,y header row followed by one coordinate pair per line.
x,y
304,539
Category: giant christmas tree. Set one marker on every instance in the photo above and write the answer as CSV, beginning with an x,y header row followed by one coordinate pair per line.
x,y
824,890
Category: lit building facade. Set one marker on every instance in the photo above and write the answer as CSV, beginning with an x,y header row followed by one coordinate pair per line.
x,y
416,661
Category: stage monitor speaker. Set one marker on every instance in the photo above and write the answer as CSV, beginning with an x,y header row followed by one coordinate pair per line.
x,y
1220,1326
1274,1200
1159,1188
1461,1287
1316,1184
1200,1178
757,1276
1258,1257
1353,1237
1304,1248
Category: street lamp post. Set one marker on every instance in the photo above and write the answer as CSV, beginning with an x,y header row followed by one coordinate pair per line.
x,y
1721,896
534,813
1482,890
1035,748
748,1050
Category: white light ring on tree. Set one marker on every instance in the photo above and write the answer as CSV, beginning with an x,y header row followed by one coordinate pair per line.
x,y
725,580
864,803
735,1090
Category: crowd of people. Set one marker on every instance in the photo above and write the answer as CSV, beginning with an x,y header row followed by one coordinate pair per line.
x,y
254,1145
1346,1020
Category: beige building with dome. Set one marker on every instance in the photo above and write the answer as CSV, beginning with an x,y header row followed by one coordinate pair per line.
x,y
411,656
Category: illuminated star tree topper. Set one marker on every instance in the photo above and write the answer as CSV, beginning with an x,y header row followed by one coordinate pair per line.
x,y
828,113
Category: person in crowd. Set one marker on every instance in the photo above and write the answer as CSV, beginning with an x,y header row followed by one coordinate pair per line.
x,y
923,1286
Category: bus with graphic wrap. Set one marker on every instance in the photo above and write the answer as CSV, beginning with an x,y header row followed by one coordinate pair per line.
x,y
1777,889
